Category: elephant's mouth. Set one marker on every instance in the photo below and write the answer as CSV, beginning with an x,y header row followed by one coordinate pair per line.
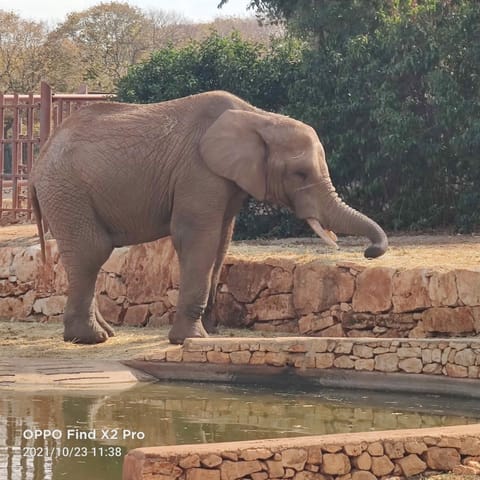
x,y
327,236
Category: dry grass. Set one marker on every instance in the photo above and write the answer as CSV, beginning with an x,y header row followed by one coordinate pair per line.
x,y
442,252
43,340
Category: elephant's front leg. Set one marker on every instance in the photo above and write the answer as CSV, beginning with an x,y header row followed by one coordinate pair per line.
x,y
197,252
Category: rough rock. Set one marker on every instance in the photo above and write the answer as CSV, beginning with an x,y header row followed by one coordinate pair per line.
x,y
202,474
467,285
363,461
444,459
136,315
6,258
470,446
246,280
415,446
280,281
149,266
412,465
324,360
191,461
294,458
316,287
27,264
363,475
54,305
375,449
273,307
410,365
374,289
387,362
240,358
411,290
336,464
256,454
11,307
116,262
275,469
382,466
115,287
443,289
233,470
211,461
218,357
448,320
229,312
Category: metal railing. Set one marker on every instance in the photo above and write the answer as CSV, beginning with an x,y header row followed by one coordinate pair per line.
x,y
27,120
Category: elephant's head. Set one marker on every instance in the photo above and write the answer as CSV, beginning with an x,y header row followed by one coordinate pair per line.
x,y
281,160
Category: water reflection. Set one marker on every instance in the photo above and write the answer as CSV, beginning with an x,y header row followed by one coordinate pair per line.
x,y
166,414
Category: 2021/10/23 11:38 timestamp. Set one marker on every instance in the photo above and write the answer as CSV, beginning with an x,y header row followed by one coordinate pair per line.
x,y
71,452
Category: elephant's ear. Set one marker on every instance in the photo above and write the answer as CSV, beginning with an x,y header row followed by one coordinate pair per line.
x,y
233,148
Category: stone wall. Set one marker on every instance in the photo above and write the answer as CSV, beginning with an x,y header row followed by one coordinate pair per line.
x,y
365,456
139,286
454,358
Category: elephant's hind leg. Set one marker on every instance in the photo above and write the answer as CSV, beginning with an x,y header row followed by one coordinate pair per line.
x,y
82,260
209,320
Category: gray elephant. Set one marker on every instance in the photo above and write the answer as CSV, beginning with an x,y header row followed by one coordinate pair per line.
x,y
116,174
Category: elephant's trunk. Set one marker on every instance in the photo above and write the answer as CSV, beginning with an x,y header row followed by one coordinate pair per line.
x,y
342,218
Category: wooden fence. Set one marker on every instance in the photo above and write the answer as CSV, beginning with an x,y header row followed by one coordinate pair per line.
x,y
26,123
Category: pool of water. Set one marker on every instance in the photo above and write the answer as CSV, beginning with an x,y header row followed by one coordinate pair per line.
x,y
79,435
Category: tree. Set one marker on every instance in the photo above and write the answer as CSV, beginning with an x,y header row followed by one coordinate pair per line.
x,y
21,53
109,38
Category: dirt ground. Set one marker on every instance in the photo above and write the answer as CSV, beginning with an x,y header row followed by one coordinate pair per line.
x,y
441,252
45,340
42,340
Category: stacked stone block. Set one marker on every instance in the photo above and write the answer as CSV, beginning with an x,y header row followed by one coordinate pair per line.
x,y
139,286
454,358
367,456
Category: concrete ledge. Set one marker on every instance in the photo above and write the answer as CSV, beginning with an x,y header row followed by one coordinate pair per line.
x,y
47,374
282,376
357,456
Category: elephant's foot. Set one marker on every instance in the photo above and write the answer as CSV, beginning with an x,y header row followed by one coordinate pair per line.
x,y
183,328
96,330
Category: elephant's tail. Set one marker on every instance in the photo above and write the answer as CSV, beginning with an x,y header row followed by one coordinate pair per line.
x,y
38,217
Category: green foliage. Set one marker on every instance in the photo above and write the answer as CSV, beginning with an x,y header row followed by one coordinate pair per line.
x,y
392,89
397,105
253,71
262,220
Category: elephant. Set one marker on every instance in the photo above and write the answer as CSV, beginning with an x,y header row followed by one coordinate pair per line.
x,y
116,174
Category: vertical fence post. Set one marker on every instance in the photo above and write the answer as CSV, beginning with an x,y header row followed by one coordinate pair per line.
x,y
2,148
45,112
16,152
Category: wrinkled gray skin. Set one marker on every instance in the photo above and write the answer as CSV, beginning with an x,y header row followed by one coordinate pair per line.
x,y
117,174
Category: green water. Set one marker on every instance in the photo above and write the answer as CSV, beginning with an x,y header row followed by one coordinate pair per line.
x,y
168,414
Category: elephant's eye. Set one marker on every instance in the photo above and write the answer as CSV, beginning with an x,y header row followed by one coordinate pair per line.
x,y
301,175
